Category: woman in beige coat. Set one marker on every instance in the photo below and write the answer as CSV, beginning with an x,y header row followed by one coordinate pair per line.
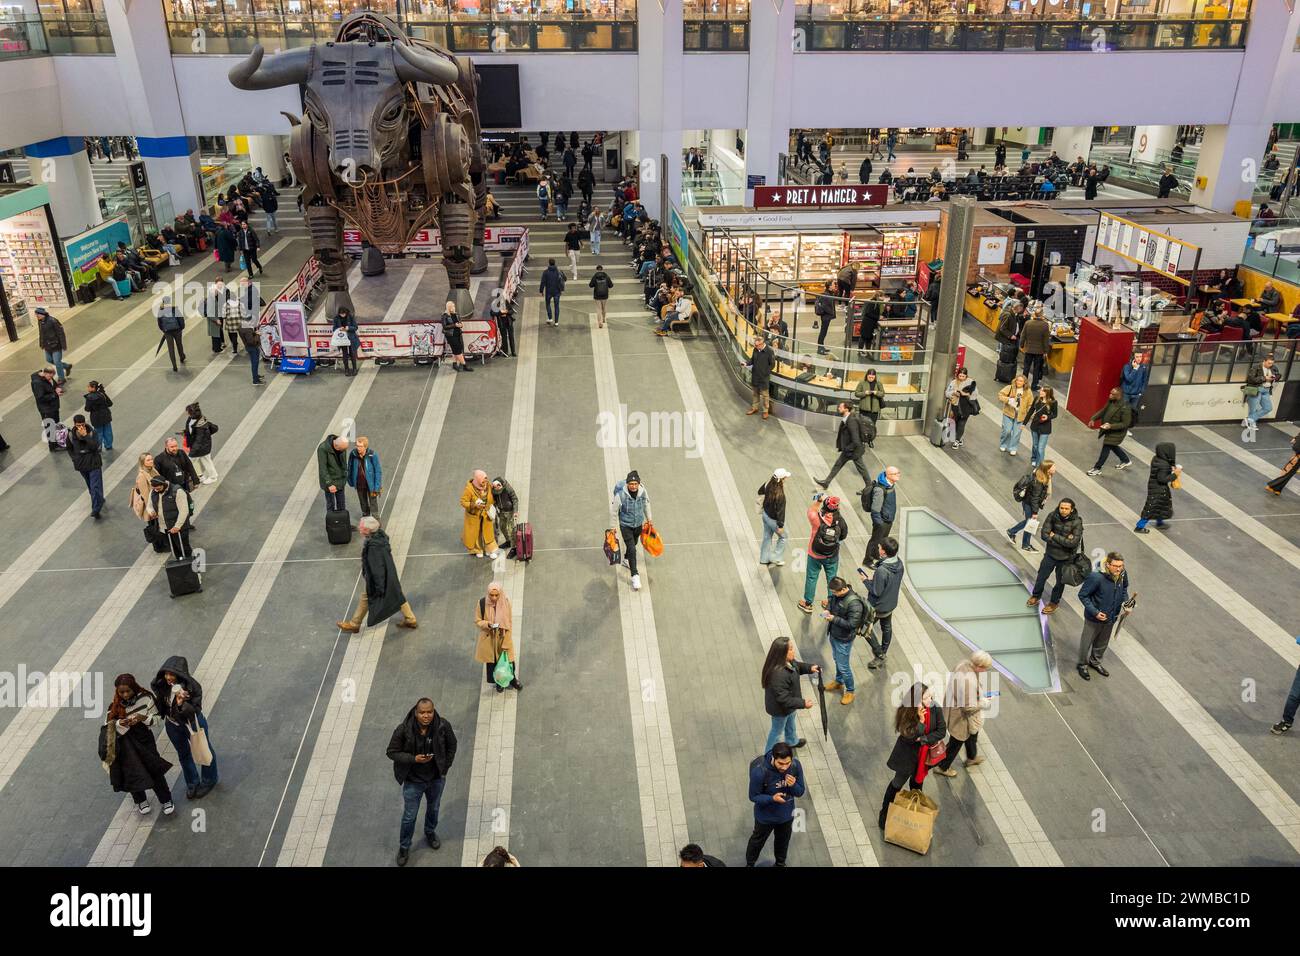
x,y
964,711
1015,400
140,492
495,624
479,535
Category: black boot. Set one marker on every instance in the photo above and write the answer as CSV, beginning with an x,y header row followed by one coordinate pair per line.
x,y
890,793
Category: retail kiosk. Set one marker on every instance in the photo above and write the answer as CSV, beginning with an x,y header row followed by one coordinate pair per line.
x,y
31,271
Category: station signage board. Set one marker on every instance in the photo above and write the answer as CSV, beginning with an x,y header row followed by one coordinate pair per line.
x,y
813,197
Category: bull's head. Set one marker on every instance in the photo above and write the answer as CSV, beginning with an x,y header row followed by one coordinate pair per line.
x,y
354,94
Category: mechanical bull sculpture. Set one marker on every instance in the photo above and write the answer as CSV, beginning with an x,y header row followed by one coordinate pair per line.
x,y
389,141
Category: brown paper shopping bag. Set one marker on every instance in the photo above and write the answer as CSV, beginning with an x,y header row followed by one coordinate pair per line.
x,y
910,822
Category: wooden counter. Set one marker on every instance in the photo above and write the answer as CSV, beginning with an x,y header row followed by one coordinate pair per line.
x,y
1062,355
988,316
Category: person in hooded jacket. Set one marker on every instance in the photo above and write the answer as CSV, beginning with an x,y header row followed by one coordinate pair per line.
x,y
346,321
198,437
920,725
828,530
495,622
365,474
225,245
47,393
1113,421
507,502
83,449
173,506
53,341
180,700
1062,529
382,595
101,419
1159,506
880,500
600,285
127,748
422,749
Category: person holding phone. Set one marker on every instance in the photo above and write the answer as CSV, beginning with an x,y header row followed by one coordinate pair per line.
x,y
919,725
127,747
422,750
495,623
775,781
964,707
883,586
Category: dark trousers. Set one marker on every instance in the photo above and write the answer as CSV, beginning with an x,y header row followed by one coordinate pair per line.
x,y
506,332
349,356
95,485
821,332
250,260
554,317
843,459
1278,483
955,745
879,532
414,792
216,344
1292,700
758,840
1094,640
334,500
1045,569
254,357
631,535
881,648
1034,369
160,788
363,492
1107,451
175,347
234,341
180,543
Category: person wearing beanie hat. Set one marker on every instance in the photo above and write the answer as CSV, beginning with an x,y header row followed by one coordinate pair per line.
x,y
630,508
53,341
829,529
771,496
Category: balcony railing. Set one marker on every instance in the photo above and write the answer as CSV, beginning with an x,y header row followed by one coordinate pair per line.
x,y
21,36
1016,35
726,35
78,33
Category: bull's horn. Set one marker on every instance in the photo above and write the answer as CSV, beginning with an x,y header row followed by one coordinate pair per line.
x,y
293,120
415,65
284,69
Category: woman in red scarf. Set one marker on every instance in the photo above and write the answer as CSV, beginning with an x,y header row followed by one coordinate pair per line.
x,y
920,726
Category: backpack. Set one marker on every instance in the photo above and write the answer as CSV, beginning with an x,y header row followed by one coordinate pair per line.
x,y
1021,489
543,192
827,539
562,281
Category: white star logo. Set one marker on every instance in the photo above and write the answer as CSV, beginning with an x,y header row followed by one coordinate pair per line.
x,y
776,198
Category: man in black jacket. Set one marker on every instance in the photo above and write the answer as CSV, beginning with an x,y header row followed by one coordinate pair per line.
x,y
83,449
864,171
843,614
47,395
53,341
851,443
693,855
1168,183
824,309
171,323
1063,532
422,749
761,362
247,242
174,465
552,285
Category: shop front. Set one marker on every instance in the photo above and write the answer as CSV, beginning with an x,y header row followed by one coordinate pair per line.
x,y
32,273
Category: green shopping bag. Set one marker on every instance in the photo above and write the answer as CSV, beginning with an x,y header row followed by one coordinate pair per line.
x,y
504,672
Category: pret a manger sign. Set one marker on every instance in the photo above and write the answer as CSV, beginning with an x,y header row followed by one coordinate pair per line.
x,y
797,197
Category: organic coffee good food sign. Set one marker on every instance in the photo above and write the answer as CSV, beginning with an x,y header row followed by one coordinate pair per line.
x,y
813,197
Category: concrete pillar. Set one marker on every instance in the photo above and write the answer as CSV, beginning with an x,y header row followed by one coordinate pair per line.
x,y
1151,144
1071,142
771,74
64,168
659,82
952,299
268,152
171,164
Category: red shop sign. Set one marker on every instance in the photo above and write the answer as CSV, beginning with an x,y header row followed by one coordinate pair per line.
x,y
810,197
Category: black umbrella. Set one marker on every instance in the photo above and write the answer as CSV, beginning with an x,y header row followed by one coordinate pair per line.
x,y
1128,609
160,345
821,703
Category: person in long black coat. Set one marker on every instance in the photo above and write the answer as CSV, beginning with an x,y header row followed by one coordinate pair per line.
x,y
1159,506
225,240
383,595
127,747
920,725
47,393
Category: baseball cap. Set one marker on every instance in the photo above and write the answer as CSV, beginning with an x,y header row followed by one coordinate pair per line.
x,y
780,474
832,503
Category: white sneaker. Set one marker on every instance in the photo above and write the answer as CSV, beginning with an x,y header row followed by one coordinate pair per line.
x,y
493,555
208,481
779,564
1094,471
1011,451
169,808
1123,464
144,807
636,582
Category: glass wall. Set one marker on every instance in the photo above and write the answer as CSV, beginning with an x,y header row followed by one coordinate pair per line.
x,y
464,26
21,33
1012,25
715,25
76,26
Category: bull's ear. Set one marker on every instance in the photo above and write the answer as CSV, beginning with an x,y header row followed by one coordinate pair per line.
x,y
415,65
283,69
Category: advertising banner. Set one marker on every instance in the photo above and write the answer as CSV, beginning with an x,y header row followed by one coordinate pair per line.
x,y
407,339
1211,402
84,250
813,196
291,319
677,234
429,241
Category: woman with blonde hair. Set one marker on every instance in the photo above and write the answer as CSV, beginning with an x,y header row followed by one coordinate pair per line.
x,y
772,511
1015,399
140,492
964,711
1032,490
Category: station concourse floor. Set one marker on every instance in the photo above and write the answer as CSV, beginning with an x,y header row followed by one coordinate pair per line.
x,y
640,713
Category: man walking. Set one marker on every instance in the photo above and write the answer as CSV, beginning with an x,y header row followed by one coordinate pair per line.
x,y
882,504
382,596
1289,708
600,285
332,470
171,323
1113,422
844,613
883,585
851,443
775,780
1103,595
47,393
248,243
422,749
761,362
573,247
1035,342
53,341
631,509
83,449
552,285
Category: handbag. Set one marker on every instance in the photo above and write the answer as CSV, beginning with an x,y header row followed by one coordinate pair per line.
x,y
650,540
936,754
504,673
1074,571
909,822
612,551
339,339
492,513
1177,482
199,749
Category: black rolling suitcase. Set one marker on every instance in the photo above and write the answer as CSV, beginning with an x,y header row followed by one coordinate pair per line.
x,y
1006,373
338,526
182,578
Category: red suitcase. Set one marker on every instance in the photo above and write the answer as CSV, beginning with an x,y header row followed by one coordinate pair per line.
x,y
524,542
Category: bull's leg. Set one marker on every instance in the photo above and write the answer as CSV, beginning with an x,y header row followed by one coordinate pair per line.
x,y
455,224
325,225
480,260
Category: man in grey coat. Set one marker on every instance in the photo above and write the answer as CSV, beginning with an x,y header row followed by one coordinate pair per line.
x,y
883,585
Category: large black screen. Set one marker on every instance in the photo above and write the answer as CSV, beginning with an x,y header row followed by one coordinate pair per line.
x,y
498,96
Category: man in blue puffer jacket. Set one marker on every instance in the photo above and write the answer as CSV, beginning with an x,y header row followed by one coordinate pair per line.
x,y
775,780
631,507
1133,382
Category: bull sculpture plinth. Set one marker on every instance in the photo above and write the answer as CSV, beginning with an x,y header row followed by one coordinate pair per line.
x,y
388,140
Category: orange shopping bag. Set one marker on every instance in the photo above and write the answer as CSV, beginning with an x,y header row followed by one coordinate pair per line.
x,y
650,540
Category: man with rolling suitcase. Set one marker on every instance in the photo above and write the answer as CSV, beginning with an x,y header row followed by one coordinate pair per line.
x,y
332,471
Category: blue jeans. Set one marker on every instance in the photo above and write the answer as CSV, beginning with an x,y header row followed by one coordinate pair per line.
x,y
412,792
1292,700
1017,528
56,359
1038,441
195,776
1257,406
815,566
645,270
95,484
271,224
766,552
1010,437
841,652
595,242
105,434
561,208
556,316
542,204
783,727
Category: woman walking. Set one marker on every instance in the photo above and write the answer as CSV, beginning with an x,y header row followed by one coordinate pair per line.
x,y
1016,399
772,495
1288,470
1040,416
127,748
180,697
365,475
1032,491
198,439
964,711
495,624
962,395
451,331
870,394
919,725
101,419
346,321
1159,506
781,698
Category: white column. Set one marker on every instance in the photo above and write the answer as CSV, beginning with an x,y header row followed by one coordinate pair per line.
x,y
659,82
176,177
268,152
771,73
1151,144
1070,142
62,166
